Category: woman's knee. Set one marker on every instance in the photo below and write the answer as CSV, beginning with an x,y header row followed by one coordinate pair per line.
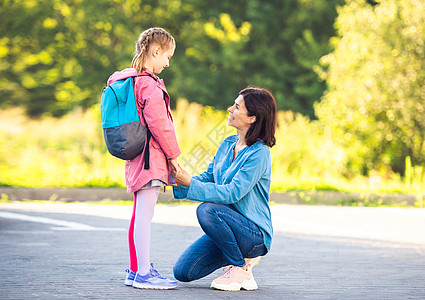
x,y
180,273
205,211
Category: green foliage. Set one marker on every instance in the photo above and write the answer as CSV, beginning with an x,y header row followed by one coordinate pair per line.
x,y
274,44
56,55
375,102
70,152
368,200
4,198
53,152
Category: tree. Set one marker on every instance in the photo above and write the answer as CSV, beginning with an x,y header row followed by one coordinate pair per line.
x,y
56,55
273,44
375,101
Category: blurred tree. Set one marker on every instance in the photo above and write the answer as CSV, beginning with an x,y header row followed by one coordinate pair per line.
x,y
55,55
375,102
272,43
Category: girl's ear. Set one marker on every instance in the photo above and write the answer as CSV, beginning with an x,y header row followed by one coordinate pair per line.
x,y
253,119
155,51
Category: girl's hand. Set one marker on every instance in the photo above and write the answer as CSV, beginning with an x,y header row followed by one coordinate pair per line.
x,y
182,177
173,165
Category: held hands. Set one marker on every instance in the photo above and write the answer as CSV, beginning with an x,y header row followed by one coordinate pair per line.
x,y
181,175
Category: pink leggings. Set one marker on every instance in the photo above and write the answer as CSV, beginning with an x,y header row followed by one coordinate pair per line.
x,y
140,229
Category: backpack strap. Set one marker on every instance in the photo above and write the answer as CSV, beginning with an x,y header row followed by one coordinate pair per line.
x,y
148,138
148,135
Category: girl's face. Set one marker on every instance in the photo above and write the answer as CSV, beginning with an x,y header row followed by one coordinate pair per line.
x,y
238,115
161,58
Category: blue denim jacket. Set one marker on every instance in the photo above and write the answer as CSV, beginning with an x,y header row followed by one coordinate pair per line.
x,y
242,184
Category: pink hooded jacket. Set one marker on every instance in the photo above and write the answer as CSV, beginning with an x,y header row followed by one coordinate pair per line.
x,y
152,97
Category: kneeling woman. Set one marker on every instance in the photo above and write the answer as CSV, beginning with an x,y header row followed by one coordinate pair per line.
x,y
235,213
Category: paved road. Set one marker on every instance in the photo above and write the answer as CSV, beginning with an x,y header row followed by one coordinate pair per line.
x,y
71,251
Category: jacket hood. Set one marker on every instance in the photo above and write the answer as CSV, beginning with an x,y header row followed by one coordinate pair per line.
x,y
129,72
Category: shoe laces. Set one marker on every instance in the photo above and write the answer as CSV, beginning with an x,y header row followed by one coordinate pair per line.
x,y
155,273
228,271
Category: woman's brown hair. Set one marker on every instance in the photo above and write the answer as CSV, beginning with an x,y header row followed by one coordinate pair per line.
x,y
260,103
146,39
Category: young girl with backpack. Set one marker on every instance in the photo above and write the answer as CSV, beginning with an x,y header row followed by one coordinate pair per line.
x,y
154,49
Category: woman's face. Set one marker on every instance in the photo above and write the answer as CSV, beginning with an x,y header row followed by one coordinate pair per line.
x,y
238,115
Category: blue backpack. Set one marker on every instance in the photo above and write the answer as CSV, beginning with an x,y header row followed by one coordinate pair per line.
x,y
124,134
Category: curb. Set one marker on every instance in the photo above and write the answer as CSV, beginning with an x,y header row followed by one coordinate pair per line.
x,y
293,197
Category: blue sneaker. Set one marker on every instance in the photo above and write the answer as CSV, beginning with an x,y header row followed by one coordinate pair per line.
x,y
129,279
153,280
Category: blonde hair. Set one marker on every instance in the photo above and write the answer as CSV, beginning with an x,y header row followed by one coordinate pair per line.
x,y
146,39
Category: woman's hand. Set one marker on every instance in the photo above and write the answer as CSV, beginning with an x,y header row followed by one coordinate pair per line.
x,y
182,177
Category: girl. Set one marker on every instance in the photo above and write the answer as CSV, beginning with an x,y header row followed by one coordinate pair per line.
x,y
154,49
235,213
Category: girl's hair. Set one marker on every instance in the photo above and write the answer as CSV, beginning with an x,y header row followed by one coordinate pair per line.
x,y
260,103
146,39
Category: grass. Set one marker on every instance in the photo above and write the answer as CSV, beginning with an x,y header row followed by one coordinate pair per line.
x,y
70,152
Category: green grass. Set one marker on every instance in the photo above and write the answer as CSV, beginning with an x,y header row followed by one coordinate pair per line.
x,y
70,152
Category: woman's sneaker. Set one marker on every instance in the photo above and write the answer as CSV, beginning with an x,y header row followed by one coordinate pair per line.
x,y
129,279
153,280
237,278
234,279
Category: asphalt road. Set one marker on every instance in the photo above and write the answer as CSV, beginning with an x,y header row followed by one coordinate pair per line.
x,y
78,250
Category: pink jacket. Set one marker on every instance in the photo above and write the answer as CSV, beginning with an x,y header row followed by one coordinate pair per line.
x,y
152,97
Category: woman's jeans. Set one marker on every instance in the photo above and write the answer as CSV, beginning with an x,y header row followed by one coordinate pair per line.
x,y
229,238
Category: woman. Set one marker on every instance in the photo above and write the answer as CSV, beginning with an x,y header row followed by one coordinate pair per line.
x,y
235,213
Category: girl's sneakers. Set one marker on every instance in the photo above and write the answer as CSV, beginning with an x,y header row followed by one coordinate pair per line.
x,y
153,280
129,279
236,278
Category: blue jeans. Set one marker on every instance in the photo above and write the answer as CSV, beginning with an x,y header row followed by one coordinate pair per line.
x,y
229,238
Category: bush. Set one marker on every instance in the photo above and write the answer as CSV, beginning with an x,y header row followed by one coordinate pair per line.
x,y
70,152
375,101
